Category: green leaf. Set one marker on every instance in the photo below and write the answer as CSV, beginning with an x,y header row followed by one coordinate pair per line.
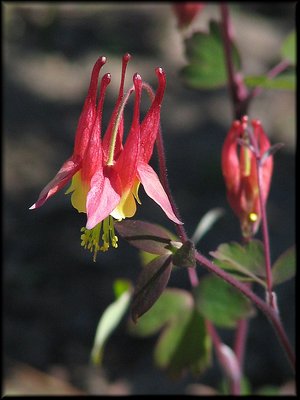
x,y
220,303
206,63
149,237
121,286
185,255
268,390
150,284
288,49
286,81
183,345
108,323
171,304
248,260
206,223
284,267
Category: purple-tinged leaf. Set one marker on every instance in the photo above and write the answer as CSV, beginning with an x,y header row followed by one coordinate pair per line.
x,y
145,236
150,284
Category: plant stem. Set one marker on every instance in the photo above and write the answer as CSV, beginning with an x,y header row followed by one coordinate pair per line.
x,y
280,67
266,240
164,180
237,90
240,341
270,313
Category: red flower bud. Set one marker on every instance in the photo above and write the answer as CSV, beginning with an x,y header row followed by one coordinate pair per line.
x,y
186,12
240,172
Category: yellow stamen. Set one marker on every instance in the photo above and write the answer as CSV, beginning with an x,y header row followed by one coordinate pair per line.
x,y
90,238
253,217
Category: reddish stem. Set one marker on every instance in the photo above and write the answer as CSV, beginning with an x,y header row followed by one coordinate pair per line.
x,y
240,341
266,240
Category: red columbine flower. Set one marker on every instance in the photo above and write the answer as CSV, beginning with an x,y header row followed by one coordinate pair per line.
x,y
105,174
240,173
186,12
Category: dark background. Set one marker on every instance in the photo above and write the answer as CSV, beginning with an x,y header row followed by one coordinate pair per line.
x,y
53,293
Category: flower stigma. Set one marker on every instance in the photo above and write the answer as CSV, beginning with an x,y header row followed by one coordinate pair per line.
x,y
90,238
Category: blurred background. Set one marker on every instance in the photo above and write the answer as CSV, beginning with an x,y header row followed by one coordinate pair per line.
x,y
53,293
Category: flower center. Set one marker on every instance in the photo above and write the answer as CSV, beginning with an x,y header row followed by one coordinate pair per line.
x,y
90,238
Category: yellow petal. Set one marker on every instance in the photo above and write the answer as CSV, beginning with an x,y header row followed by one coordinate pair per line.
x,y
80,191
126,208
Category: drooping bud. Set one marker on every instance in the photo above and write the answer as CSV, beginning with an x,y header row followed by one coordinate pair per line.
x,y
240,172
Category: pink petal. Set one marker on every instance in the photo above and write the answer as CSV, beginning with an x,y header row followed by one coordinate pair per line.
x,y
103,197
68,169
154,189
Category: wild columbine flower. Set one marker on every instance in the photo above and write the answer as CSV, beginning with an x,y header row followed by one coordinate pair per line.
x,y
105,174
186,12
240,173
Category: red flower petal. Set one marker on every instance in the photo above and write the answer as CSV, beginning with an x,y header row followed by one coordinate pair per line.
x,y
88,114
126,165
108,134
68,169
150,124
154,189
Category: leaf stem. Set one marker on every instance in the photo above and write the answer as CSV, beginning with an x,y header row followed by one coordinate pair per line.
x,y
280,67
237,90
265,231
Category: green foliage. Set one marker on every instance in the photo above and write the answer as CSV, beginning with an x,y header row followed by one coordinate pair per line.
x,y
284,267
183,343
220,303
288,49
286,81
206,223
206,67
110,319
247,260
173,302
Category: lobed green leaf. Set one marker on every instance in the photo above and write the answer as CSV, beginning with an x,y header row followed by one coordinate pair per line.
x,y
220,303
206,63
247,260
171,304
184,344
